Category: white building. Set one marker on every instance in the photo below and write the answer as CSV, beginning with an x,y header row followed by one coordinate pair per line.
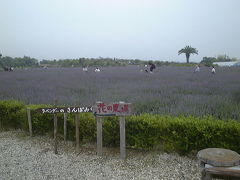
x,y
229,63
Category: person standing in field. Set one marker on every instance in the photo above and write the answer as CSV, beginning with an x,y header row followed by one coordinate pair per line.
x,y
85,69
97,70
213,70
152,66
197,69
146,68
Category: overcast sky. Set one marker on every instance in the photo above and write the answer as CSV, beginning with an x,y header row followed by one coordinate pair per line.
x,y
133,29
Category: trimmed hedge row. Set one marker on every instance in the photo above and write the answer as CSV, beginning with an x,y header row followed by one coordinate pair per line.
x,y
182,134
11,114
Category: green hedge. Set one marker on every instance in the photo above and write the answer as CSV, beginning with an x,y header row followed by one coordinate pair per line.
x,y
182,134
10,114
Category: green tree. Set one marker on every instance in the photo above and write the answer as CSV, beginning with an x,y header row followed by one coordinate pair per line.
x,y
223,58
208,61
188,50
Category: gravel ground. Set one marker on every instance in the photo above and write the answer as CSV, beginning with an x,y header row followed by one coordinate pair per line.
x,y
22,157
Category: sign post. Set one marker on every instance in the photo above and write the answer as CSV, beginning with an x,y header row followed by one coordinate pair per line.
x,y
122,137
77,131
29,121
65,126
120,109
99,135
55,133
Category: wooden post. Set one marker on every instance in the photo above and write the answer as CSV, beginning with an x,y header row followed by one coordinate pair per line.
x,y
65,126
122,137
29,121
99,135
77,131
55,134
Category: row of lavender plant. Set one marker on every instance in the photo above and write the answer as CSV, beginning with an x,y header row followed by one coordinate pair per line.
x,y
169,90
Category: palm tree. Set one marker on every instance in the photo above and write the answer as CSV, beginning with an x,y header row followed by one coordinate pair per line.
x,y
188,50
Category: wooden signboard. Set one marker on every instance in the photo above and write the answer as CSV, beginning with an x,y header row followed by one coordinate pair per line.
x,y
120,109
112,109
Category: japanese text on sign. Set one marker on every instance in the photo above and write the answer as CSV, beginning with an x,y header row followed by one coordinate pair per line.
x,y
112,109
65,110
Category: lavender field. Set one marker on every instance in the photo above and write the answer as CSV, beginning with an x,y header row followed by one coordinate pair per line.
x,y
169,90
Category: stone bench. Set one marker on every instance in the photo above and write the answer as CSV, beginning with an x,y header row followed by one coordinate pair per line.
x,y
210,172
220,163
